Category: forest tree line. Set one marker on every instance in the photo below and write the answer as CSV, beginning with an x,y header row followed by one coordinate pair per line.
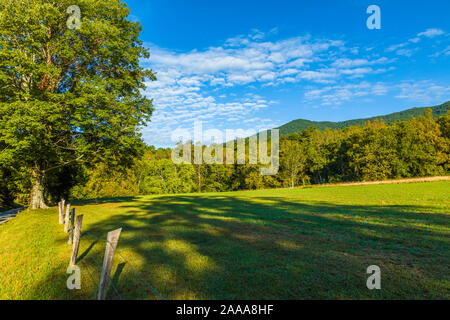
x,y
415,148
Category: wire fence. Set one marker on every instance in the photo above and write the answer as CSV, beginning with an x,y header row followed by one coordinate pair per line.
x,y
91,283
110,280
119,253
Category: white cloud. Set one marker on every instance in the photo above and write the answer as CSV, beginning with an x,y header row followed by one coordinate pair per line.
x,y
405,52
211,84
445,52
425,91
396,46
192,85
347,63
337,94
430,33
402,51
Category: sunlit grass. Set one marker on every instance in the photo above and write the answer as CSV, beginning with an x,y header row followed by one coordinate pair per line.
x,y
311,243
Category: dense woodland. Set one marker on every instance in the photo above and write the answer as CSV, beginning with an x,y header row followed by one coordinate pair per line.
x,y
415,148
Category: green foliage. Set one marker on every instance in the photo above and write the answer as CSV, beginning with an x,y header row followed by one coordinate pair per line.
x,y
105,183
293,161
6,188
415,148
163,176
69,97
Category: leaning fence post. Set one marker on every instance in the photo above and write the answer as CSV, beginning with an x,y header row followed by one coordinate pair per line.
x,y
76,240
66,219
72,218
111,245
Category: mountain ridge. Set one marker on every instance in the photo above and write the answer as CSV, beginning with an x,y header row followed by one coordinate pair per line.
x,y
302,124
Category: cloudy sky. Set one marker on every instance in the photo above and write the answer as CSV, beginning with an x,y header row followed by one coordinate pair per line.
x,y
253,65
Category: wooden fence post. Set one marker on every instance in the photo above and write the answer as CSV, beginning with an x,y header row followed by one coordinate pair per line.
x,y
111,245
66,219
61,211
76,240
72,221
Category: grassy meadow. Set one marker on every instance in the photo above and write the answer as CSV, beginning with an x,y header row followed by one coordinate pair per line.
x,y
306,243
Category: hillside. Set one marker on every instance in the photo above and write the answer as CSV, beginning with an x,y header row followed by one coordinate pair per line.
x,y
302,124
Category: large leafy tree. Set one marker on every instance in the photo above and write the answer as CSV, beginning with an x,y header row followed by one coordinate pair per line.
x,y
69,96
293,161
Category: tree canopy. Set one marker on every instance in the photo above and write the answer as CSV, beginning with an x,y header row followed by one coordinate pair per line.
x,y
69,96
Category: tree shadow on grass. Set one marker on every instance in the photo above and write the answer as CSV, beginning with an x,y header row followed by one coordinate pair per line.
x,y
86,252
224,247
103,200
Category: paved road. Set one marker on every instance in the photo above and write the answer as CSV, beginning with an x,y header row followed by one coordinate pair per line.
x,y
7,215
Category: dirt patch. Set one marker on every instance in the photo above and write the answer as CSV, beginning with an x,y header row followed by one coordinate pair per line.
x,y
397,181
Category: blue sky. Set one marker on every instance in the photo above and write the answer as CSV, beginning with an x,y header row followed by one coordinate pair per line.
x,y
253,65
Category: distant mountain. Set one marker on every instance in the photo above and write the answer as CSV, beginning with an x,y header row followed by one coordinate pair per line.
x,y
302,124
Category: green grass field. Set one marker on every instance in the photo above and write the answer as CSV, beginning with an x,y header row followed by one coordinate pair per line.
x,y
309,243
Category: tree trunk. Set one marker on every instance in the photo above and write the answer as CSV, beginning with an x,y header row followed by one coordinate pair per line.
x,y
37,193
